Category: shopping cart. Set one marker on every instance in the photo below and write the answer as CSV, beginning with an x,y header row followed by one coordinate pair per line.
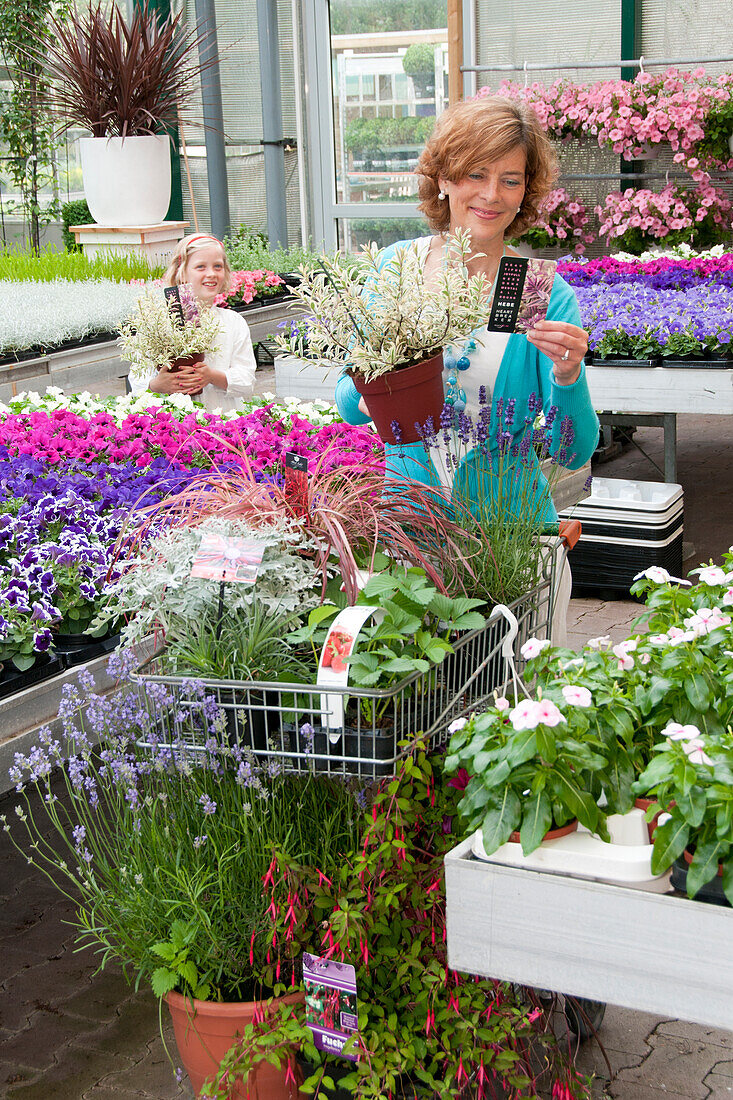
x,y
292,724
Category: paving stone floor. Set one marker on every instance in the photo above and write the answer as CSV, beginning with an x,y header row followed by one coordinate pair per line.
x,y
68,1033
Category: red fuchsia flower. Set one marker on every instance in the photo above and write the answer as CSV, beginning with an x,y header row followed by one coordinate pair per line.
x,y
460,780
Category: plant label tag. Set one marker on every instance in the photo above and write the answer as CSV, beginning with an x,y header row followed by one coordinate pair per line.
x,y
296,479
523,288
333,668
330,1003
175,306
223,558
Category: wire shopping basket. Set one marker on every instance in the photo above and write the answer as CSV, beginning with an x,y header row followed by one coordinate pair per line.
x,y
291,724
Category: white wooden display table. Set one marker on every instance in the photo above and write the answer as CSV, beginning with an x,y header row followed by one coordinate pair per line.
x,y
656,394
156,242
647,951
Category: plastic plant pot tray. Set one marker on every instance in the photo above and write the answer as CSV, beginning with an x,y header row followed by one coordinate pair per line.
x,y
626,860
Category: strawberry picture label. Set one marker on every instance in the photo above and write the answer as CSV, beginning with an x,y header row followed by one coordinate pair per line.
x,y
333,667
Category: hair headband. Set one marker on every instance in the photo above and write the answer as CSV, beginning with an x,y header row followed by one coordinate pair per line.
x,y
203,237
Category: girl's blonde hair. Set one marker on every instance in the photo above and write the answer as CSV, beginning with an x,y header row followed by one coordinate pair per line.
x,y
476,132
187,246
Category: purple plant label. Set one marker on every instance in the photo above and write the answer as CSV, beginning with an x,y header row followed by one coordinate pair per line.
x,y
523,289
221,558
330,1003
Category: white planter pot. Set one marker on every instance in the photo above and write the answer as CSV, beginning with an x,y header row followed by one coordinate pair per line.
x,y
308,383
730,143
127,182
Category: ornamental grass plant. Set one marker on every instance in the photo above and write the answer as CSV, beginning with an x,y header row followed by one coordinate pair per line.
x,y
46,266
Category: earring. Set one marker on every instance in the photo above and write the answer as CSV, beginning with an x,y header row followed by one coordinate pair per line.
x,y
519,210
441,195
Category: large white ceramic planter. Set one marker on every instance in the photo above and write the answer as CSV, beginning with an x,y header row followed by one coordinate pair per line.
x,y
127,181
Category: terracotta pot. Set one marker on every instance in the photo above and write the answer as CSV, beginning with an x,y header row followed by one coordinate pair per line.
x,y
408,396
553,834
187,361
644,804
206,1030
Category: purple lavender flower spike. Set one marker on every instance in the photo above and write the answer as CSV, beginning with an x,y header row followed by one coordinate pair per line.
x,y
509,414
396,429
482,395
567,431
533,402
588,483
551,416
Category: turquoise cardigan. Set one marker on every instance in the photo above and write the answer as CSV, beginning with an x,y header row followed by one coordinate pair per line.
x,y
506,481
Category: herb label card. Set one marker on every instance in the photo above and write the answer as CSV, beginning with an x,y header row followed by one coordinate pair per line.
x,y
523,288
221,558
330,1003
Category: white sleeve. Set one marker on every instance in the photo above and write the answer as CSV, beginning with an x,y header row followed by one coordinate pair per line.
x,y
240,370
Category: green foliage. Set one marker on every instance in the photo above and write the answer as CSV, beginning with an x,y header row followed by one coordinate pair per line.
x,y
26,130
17,265
372,135
529,780
179,970
419,59
360,16
74,213
713,149
248,250
424,1030
410,633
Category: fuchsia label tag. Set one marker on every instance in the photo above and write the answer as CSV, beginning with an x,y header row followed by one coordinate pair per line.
x,y
330,1003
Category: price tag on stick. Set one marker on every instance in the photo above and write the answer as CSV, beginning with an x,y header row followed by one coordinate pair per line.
x,y
296,480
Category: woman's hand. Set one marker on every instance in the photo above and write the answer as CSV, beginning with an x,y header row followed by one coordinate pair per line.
x,y
564,344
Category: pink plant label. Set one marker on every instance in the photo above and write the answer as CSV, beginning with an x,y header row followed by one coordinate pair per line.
x,y
221,558
330,1003
523,289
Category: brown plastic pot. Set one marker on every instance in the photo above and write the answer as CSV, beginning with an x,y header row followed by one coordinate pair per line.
x,y
206,1030
644,804
407,396
553,834
187,361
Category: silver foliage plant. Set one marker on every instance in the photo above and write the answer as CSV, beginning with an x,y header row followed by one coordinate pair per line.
x,y
47,314
375,317
156,591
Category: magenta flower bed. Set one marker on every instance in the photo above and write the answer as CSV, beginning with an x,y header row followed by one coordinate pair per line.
x,y
662,274
201,439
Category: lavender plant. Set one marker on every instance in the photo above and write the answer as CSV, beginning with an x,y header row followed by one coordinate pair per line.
x,y
503,502
165,846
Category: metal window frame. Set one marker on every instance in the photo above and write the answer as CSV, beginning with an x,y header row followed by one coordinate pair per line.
x,y
327,212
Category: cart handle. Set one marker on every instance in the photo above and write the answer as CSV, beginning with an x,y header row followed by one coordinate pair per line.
x,y
570,531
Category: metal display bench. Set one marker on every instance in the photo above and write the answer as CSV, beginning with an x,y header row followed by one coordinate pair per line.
x,y
654,952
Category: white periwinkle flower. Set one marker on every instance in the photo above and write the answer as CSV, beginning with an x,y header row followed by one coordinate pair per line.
x,y
695,751
576,695
658,575
533,647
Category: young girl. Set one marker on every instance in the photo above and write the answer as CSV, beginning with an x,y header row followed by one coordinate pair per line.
x,y
227,374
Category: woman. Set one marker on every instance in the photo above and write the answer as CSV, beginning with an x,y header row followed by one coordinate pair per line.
x,y
227,374
486,169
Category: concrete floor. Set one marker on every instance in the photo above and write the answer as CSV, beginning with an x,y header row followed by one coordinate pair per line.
x,y
69,1033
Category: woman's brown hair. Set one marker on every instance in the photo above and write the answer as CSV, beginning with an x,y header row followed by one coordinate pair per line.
x,y
480,131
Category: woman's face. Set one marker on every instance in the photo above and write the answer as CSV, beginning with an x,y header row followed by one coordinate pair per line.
x,y
487,199
205,271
